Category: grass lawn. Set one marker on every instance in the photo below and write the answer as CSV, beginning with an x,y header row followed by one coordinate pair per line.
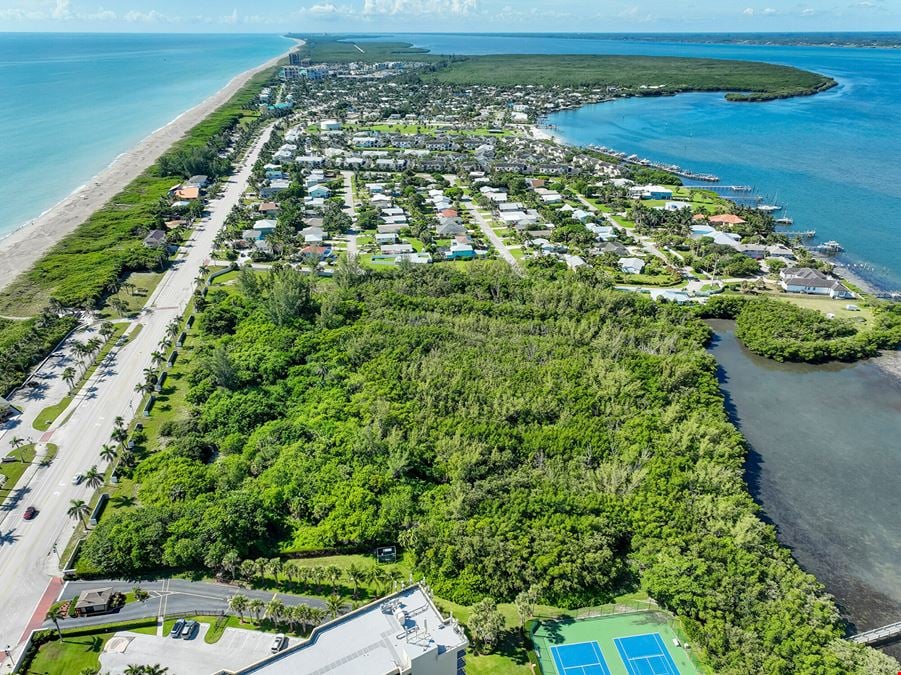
x,y
828,306
134,298
71,655
49,414
13,470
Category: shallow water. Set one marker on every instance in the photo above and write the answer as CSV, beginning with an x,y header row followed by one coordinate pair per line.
x,y
71,103
824,462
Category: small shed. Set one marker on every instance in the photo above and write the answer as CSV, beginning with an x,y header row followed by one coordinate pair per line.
x,y
94,601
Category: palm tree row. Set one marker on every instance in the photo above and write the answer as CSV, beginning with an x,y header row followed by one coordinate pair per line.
x,y
303,615
381,579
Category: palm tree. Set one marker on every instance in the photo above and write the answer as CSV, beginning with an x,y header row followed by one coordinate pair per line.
x,y
107,328
157,358
120,435
78,510
256,607
334,604
17,442
238,603
108,453
144,387
316,575
55,614
248,569
172,328
93,477
275,610
356,575
69,377
119,422
333,574
303,615
275,567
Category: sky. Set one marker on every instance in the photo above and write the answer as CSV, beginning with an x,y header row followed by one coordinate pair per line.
x,y
385,16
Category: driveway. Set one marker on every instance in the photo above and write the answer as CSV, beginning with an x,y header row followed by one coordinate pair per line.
x,y
236,649
170,596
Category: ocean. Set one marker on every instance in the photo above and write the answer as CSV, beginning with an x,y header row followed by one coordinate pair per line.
x,y
832,160
71,103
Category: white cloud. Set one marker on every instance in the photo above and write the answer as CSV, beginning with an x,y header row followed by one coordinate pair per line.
x,y
749,11
152,16
327,8
61,10
395,7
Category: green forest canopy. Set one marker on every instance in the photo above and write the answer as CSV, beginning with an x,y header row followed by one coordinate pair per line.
x,y
671,74
507,432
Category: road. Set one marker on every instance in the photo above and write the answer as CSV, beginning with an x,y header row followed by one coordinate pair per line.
x,y
495,240
27,563
170,596
350,208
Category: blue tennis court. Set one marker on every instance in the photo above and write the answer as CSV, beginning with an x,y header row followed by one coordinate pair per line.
x,y
646,655
581,658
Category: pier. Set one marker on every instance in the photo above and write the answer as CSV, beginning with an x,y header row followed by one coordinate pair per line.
x,y
879,635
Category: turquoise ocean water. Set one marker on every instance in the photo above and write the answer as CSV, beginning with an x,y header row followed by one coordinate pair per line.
x,y
833,160
70,103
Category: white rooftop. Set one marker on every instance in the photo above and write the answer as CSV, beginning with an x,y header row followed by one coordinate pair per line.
x,y
384,637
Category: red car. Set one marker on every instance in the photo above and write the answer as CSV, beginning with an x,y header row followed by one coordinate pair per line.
x,y
30,513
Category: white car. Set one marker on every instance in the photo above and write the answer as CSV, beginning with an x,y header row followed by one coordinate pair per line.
x,y
77,478
279,643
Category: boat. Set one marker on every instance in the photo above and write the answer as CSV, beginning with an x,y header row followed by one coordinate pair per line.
x,y
784,220
808,234
832,246
768,208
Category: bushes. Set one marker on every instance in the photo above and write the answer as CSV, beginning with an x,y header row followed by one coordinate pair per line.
x,y
24,343
507,433
785,332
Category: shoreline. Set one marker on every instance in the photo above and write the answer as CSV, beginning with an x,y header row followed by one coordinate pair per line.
x,y
27,244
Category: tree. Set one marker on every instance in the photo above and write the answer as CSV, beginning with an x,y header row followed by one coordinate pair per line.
x,y
144,387
332,574
238,603
120,435
69,376
93,477
275,610
107,328
17,442
486,624
140,594
335,605
275,567
256,607
108,453
525,605
356,575
54,614
79,510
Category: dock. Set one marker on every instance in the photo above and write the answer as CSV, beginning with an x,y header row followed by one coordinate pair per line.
x,y
879,635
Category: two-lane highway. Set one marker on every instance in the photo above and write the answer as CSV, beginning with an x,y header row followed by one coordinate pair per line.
x,y
27,561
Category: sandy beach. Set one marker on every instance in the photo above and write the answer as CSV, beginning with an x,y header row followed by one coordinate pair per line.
x,y
21,249
540,134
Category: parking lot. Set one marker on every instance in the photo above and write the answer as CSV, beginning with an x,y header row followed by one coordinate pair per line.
x,y
236,649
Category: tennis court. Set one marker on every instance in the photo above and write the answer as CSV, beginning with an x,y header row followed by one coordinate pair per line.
x,y
581,658
646,655
632,643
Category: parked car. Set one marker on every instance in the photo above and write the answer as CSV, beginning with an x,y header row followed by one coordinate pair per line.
x,y
190,630
177,629
30,513
279,643
77,478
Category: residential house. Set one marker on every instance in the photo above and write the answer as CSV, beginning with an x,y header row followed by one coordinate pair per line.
x,y
631,265
265,227
156,239
812,282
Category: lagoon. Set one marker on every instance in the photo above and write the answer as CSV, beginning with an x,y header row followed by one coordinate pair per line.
x,y
824,462
832,159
